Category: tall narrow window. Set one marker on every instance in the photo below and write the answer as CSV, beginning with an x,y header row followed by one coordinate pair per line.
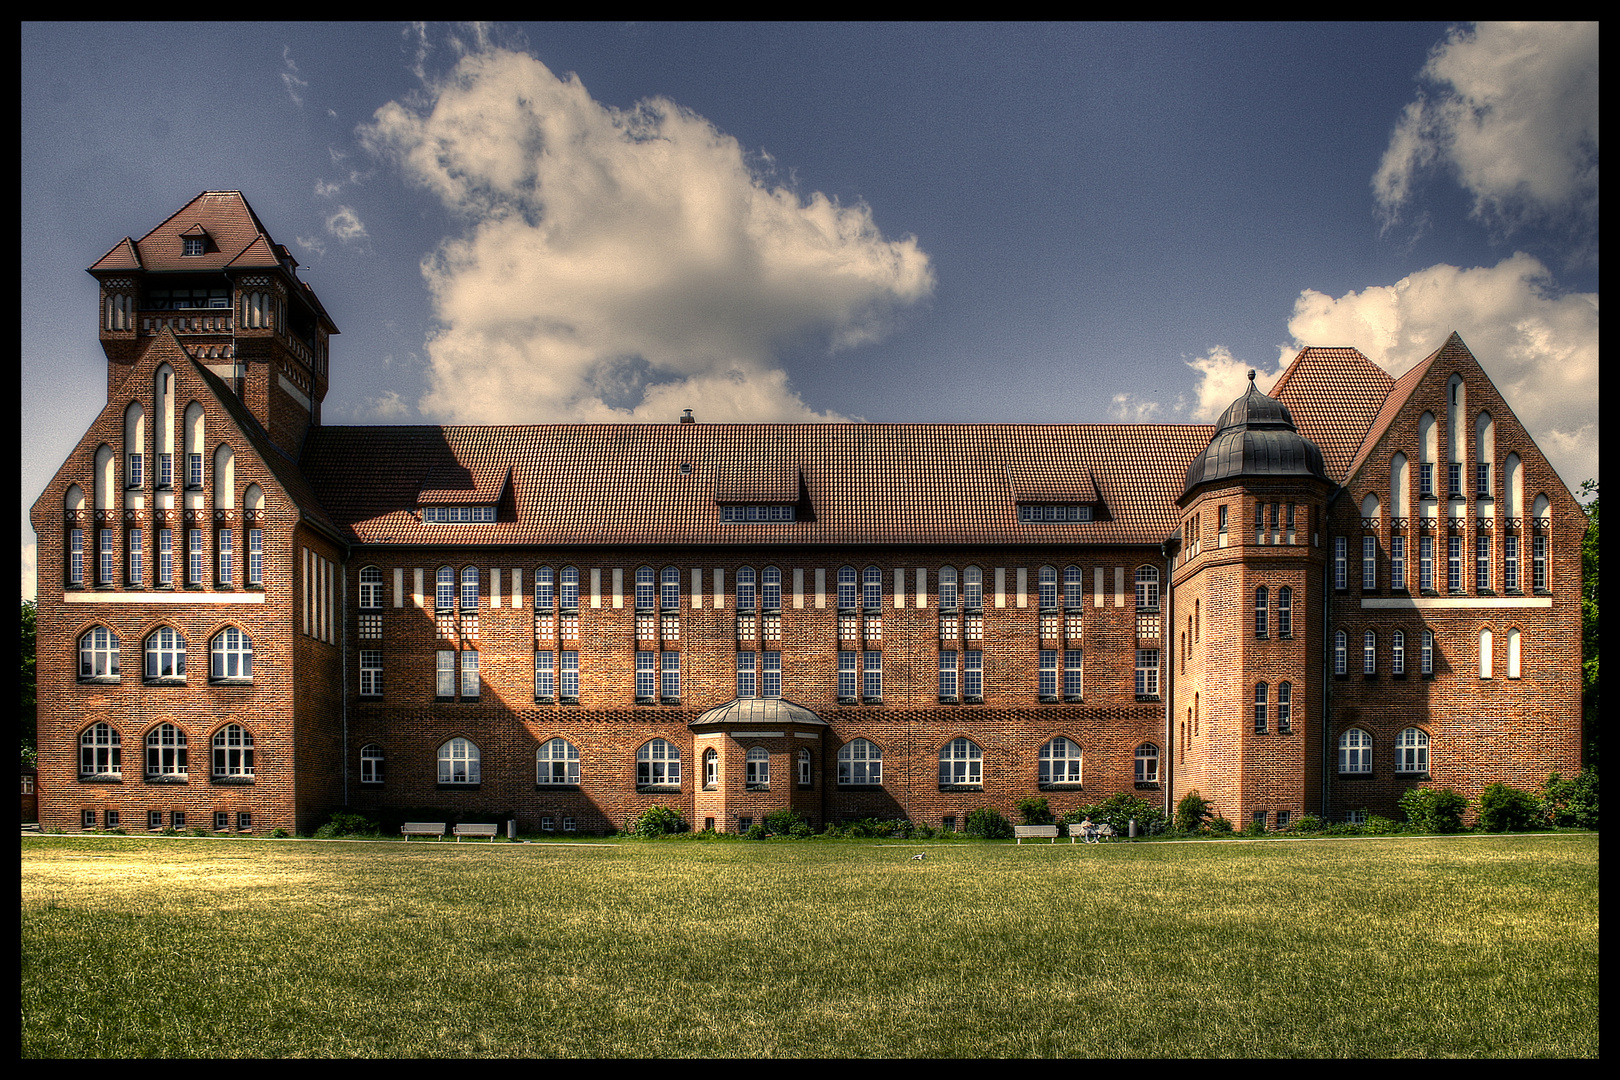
x,y
645,588
1538,562
545,674
1047,685
469,588
1426,563
646,675
1454,563
1074,588
746,674
1147,588
444,589
1397,653
75,573
371,673
1510,562
1482,563
872,676
568,589
1285,612
227,557
1369,652
371,586
973,588
669,589
872,588
670,675
1397,563
770,589
846,588
973,673
1073,672
471,685
1485,653
445,674
1285,707
770,675
545,589
137,556
1341,562
195,556
846,674
1340,659
165,556
1147,764
947,673
568,674
1260,695
1426,658
1147,673
747,597
1369,562
255,566
106,557
947,588
1048,585
1261,604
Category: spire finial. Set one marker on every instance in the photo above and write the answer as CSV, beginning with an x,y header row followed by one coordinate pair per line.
x,y
1251,375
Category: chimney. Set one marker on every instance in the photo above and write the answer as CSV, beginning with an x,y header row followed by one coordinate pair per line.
x,y
686,417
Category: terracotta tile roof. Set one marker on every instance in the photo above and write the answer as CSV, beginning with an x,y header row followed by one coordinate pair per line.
x,y
1453,349
1333,395
862,483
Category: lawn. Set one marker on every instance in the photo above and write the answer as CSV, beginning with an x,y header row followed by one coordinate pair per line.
x,y
1474,946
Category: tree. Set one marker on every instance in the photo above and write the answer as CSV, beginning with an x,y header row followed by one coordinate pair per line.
x,y
30,705
1589,624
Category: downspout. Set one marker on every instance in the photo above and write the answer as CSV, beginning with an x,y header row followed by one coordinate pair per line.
x,y
1168,629
343,657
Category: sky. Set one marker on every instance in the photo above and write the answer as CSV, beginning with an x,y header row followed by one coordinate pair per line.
x,y
1049,223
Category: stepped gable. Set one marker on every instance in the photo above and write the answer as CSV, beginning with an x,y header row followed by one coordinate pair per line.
x,y
1333,395
853,483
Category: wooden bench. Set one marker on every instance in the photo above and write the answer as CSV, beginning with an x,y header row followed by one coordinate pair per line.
x,y
1035,832
421,828
476,830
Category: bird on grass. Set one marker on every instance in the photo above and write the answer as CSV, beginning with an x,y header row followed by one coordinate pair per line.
x,y
919,855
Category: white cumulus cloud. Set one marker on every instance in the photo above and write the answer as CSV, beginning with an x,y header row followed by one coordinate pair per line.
x,y
1511,109
623,265
1222,379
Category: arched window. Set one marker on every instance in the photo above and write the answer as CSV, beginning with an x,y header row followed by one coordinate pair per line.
x,y
444,589
1485,653
557,762
1262,601
1147,763
711,769
458,762
860,763
1427,655
644,588
770,589
371,587
1074,588
973,588
1369,652
947,588
568,589
658,763
545,589
1355,751
233,752
746,594
1060,762
98,654
669,590
230,655
371,764
1341,659
1048,580
1513,653
961,762
166,752
757,766
1412,751
224,477
1147,588
194,445
469,588
1285,707
846,588
1261,693
165,654
134,445
101,751
1397,652
872,588
1285,612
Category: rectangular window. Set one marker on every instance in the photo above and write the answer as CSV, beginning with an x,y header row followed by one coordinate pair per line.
x,y
1426,658
371,673
227,557
1260,694
1538,562
1454,479
106,558
1221,533
1340,647
947,673
1369,653
222,820
137,556
1397,563
973,672
75,557
1426,563
1510,562
1259,523
846,674
670,685
1454,563
470,684
1073,682
646,673
154,819
1341,560
568,676
1482,563
1285,708
770,676
195,556
87,819
746,662
1482,478
1397,653
1285,612
545,675
872,675
1369,562
1047,685
194,470
137,474
1261,611
244,821
1147,673
1425,479
165,470
445,674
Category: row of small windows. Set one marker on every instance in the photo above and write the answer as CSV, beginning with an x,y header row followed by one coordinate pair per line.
x,y
113,819
1398,659
1457,558
167,747
230,655
223,566
658,764
753,591
1356,751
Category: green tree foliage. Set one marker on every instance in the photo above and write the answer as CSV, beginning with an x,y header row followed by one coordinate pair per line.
x,y
30,703
657,821
1508,809
1191,812
1035,811
1572,802
988,824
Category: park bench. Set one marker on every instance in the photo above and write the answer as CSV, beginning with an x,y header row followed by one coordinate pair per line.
x,y
476,830
422,828
1035,832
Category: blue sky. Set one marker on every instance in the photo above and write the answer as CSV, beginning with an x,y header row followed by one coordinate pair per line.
x,y
911,222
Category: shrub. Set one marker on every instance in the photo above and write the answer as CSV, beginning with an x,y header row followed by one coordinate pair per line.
x,y
1305,823
1255,827
1380,826
1221,826
1434,811
655,821
1191,812
346,824
1118,810
756,831
1507,809
1572,802
986,823
782,822
801,830
1035,811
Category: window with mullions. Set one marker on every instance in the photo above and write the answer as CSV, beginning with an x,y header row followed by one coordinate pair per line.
x,y
545,589
471,684
196,556
1147,588
669,589
1047,682
1426,652
711,769
165,557
1262,600
947,673
860,763
757,767
645,588
1412,751
1482,563
227,557
1147,673
75,562
762,512
872,588
1355,752
444,589
658,764
1073,674
557,763
947,588
747,664
194,470
1510,562
1397,563
1538,562
1397,653
101,752
1454,563
961,764
804,768
1369,652
469,588
568,674
872,676
770,589
1048,586
371,673
568,589
973,673
1341,562
1060,762
166,753
1369,562
1074,588
1426,563
165,654
669,684
371,587
1147,764
1261,693
233,753
545,675
1285,707
1054,512
106,557
231,655
1341,659
137,556
973,589
770,675
456,515
444,674
459,762
98,654
846,674
1285,612
746,594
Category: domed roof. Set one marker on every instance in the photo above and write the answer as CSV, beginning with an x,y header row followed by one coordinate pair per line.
x,y
758,711
1256,437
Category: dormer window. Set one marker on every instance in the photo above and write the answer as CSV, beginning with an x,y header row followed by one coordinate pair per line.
x,y
1054,512
191,245
760,512
448,515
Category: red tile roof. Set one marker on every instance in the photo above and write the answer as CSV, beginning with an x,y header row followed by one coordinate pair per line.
x,y
1333,395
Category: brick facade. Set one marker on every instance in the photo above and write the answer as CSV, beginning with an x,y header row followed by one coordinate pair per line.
x,y
1135,670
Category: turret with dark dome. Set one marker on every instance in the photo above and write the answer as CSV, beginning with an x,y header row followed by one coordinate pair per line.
x,y
1255,437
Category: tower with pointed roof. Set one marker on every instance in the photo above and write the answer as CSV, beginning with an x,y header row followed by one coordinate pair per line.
x,y
213,276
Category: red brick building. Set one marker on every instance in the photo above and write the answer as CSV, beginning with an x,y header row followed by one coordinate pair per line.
x,y
1352,586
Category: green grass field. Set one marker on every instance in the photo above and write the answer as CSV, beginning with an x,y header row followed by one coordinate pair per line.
x,y
1477,946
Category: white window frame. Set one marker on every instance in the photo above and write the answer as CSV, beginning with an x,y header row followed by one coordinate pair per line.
x,y
233,753
230,655
860,764
961,764
101,751
1061,762
557,764
459,761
